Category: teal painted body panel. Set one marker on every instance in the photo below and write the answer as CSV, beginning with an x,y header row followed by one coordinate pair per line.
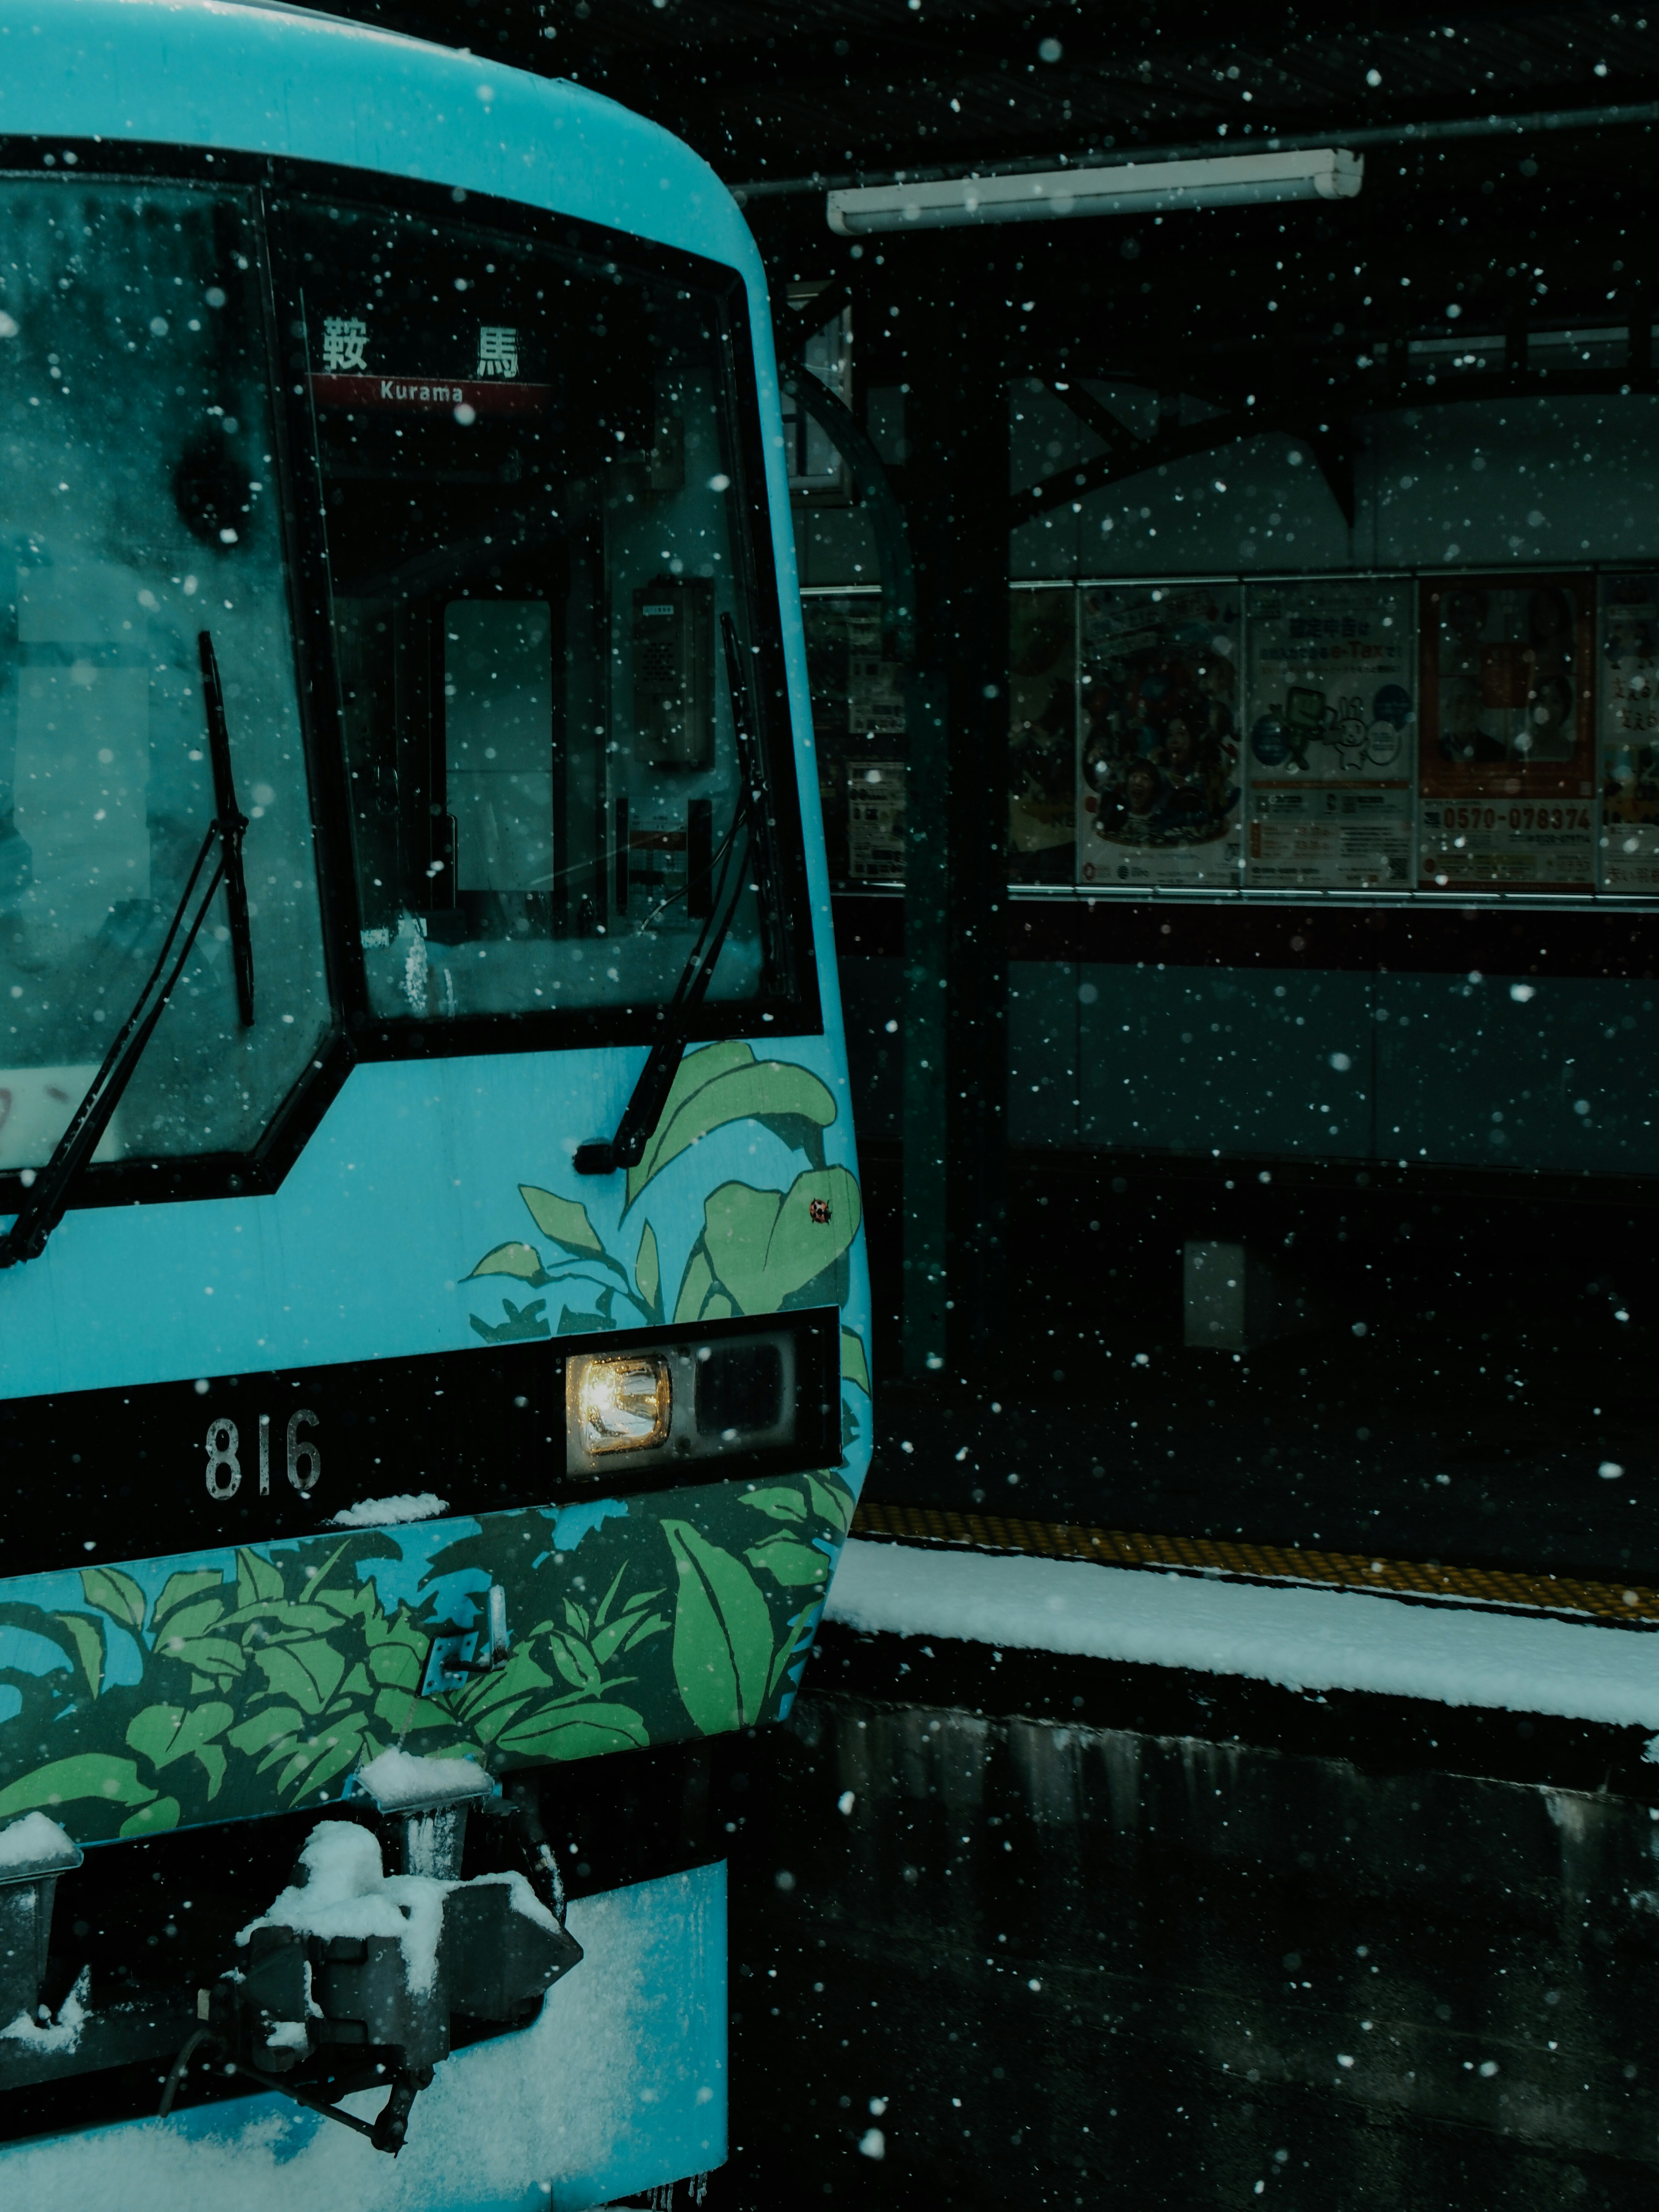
x,y
310,87
365,1250
619,2087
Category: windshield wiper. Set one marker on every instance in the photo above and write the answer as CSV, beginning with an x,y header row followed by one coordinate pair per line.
x,y
27,1237
232,826
604,1155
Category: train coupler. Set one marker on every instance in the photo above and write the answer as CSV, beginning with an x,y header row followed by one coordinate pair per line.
x,y
355,1979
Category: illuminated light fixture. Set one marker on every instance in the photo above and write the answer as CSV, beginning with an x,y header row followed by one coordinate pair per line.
x,y
621,1402
1130,188
692,1406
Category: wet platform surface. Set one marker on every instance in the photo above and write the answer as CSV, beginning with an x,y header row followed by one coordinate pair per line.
x,y
1065,1933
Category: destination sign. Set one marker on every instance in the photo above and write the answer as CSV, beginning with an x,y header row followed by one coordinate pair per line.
x,y
447,395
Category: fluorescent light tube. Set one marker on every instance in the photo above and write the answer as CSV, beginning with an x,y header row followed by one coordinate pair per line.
x,y
1131,188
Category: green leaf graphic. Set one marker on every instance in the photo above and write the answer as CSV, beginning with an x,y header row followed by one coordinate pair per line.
x,y
308,1673
573,1321
177,1589
801,1634
696,1070
162,1733
323,1756
574,1661
765,1245
489,1703
610,1597
523,1323
257,1579
695,1284
118,1593
778,1502
578,1732
188,1622
518,1259
209,1655
405,1715
152,1819
625,1631
722,1633
488,1725
647,1274
276,1724
90,1646
320,1573
346,1603
397,1666
726,1083
97,1774
284,1621
854,1367
797,1567
564,1220
833,1502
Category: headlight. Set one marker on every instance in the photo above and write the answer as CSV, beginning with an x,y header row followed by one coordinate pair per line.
x,y
620,1403
751,1397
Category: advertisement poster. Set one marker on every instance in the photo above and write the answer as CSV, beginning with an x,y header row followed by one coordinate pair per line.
x,y
1629,733
1332,717
875,686
875,822
858,723
1041,723
1509,735
1158,765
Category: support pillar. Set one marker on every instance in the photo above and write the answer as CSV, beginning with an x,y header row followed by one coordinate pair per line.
x,y
956,822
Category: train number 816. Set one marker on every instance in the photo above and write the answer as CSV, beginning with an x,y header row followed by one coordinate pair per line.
x,y
224,1466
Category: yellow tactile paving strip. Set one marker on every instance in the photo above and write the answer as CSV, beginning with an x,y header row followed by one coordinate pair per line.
x,y
1631,1605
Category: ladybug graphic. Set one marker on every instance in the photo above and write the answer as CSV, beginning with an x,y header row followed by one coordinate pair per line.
x,y
818,1208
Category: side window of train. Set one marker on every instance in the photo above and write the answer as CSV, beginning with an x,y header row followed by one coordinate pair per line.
x,y
537,531
138,509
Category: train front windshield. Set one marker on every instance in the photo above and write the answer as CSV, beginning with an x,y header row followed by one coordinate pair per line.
x,y
529,469
464,511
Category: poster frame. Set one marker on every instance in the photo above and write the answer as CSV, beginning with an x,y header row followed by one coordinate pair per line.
x,y
1405,584
1566,787
1233,836
1471,896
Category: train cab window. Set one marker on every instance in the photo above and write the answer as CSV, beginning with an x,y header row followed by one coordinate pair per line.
x,y
498,762
138,509
535,515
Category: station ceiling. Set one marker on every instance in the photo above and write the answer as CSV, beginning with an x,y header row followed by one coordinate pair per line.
x,y
1512,160
848,90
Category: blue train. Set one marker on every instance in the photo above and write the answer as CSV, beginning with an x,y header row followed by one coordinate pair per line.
x,y
434,1313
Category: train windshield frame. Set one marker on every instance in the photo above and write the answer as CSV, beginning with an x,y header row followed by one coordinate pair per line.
x,y
505,473
537,455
